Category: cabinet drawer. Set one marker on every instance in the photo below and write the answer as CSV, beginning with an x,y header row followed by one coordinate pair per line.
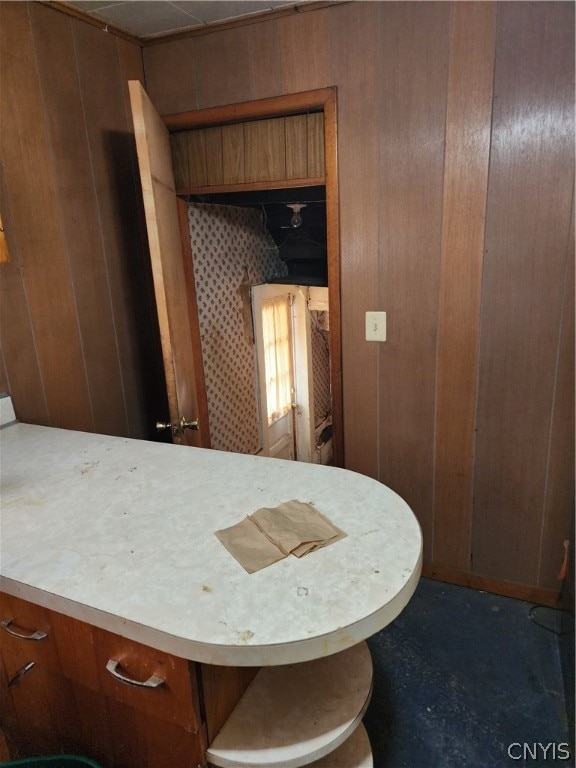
x,y
175,700
22,623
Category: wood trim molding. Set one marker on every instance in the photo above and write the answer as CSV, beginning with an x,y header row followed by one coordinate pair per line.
x,y
495,586
324,99
251,186
274,106
333,247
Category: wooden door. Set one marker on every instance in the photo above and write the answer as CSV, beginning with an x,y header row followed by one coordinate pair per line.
x,y
172,274
288,434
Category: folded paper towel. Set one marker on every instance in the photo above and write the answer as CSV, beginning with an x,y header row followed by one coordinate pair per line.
x,y
272,533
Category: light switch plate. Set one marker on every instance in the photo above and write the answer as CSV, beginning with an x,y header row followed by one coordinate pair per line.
x,y
375,326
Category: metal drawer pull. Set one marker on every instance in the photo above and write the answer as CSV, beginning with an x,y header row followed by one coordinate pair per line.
x,y
21,673
153,681
37,635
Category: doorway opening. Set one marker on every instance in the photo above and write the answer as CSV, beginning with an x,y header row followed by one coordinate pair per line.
x,y
168,161
263,309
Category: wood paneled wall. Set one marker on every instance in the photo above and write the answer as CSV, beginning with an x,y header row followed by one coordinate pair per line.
x,y
456,173
456,168
77,333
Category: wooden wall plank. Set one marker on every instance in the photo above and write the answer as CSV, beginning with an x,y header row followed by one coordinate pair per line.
x,y
559,493
305,51
264,150
23,375
110,144
197,171
214,169
358,127
296,147
263,41
529,202
180,161
315,144
468,126
223,59
171,76
233,154
31,177
414,91
131,64
112,151
54,47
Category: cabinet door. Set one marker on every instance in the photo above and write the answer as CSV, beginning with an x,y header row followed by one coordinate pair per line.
x,y
39,714
119,736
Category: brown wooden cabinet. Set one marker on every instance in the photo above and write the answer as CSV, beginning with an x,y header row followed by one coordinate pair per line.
x,y
58,697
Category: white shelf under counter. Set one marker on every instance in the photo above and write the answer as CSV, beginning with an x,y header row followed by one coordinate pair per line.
x,y
296,714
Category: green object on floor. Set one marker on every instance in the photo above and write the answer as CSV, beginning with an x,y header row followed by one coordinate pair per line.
x,y
55,761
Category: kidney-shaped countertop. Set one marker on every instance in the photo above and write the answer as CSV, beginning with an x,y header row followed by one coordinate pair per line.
x,y
120,533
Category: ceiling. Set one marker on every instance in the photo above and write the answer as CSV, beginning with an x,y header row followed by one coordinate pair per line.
x,y
149,19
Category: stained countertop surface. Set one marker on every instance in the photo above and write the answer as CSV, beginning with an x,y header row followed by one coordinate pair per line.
x,y
120,533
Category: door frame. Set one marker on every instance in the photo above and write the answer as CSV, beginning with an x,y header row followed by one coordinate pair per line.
x,y
324,99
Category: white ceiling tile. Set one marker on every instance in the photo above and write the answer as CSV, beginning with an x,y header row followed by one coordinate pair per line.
x,y
150,18
93,5
217,10
146,17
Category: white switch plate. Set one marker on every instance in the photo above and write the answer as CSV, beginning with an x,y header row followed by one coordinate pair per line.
x,y
375,326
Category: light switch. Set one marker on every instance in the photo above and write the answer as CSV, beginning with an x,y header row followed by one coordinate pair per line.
x,y
375,326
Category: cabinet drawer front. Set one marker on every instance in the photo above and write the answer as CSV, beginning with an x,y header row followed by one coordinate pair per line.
x,y
175,700
28,620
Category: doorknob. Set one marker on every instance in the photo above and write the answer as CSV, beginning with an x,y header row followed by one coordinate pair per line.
x,y
178,427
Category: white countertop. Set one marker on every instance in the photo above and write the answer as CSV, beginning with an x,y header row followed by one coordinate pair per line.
x,y
120,533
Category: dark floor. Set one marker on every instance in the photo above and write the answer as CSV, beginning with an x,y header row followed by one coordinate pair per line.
x,y
460,676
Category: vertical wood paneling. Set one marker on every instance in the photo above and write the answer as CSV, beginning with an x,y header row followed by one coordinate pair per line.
x,y
75,191
214,169
263,44
315,144
529,202
559,492
264,150
414,86
468,124
179,147
31,177
111,150
171,76
23,375
197,171
233,153
296,147
305,51
358,120
223,61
